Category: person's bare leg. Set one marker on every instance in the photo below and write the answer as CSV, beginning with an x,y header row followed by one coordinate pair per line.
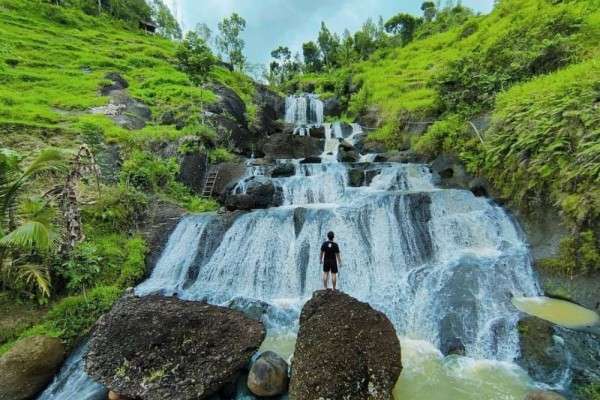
x,y
334,280
325,279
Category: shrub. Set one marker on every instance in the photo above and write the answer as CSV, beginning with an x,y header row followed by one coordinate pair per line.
x,y
147,173
134,265
118,209
578,254
220,154
72,317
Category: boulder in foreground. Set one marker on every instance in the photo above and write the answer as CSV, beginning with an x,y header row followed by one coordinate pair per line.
x,y
269,375
29,366
345,350
153,347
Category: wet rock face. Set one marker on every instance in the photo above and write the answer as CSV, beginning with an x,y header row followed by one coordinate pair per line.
x,y
29,366
454,346
229,103
260,193
332,107
283,170
271,107
154,347
365,362
282,146
542,356
268,375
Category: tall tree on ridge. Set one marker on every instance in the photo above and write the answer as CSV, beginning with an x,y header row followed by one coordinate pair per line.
x,y
429,10
329,44
229,41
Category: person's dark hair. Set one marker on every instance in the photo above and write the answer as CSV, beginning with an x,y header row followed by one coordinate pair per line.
x,y
330,235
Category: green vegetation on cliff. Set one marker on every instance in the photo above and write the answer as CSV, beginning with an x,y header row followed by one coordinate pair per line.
x,y
56,63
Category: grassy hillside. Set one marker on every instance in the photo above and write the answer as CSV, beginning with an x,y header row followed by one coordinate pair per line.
x,y
53,63
529,65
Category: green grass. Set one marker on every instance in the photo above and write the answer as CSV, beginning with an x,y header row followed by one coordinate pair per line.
x,y
53,61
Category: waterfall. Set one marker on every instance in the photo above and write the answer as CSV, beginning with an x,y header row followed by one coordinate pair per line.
x,y
440,263
304,111
72,383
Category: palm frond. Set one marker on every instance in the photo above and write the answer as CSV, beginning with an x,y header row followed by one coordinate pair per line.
x,y
48,159
32,235
35,276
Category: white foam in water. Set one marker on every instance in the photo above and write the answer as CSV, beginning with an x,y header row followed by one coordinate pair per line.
x,y
72,383
440,263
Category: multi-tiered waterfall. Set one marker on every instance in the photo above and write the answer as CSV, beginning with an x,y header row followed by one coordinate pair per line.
x,y
441,263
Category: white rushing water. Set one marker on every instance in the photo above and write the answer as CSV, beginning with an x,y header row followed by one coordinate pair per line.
x,y
304,111
441,263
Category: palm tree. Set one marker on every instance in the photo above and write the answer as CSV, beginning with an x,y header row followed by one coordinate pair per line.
x,y
22,249
23,246
14,179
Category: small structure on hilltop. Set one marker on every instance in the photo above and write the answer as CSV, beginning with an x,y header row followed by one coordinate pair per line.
x,y
148,26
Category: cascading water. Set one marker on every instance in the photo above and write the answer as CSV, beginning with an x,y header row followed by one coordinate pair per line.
x,y
304,112
441,263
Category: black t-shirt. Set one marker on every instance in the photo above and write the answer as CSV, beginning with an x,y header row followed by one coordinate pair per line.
x,y
330,249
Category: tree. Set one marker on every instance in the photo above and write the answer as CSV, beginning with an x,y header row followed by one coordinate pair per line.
x,y
347,53
14,178
366,40
284,67
204,32
168,26
312,57
429,10
404,25
195,59
229,41
329,44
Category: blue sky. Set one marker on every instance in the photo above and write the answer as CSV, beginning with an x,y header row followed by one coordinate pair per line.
x,y
271,23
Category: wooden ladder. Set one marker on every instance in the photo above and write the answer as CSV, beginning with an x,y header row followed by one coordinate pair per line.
x,y
209,183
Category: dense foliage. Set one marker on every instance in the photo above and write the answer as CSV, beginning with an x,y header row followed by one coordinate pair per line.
x,y
70,243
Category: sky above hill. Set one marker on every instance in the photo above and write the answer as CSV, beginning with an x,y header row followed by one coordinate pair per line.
x,y
271,23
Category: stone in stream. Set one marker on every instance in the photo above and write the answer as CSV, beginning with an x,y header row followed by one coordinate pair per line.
x,y
154,347
268,375
29,366
544,395
542,356
345,350
260,193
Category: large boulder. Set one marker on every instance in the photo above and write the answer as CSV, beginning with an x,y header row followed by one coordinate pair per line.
x,y
193,167
332,107
270,108
123,109
347,153
259,192
229,174
228,103
451,172
269,375
365,362
292,146
29,366
544,395
154,347
284,170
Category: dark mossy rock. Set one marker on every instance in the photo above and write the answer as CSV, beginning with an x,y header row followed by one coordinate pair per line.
x,y
542,356
311,160
154,347
317,132
453,346
366,362
283,170
260,192
282,146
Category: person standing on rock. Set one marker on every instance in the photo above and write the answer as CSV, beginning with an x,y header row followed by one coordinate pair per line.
x,y
330,258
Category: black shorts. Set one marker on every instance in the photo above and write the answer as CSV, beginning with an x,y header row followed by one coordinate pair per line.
x,y
330,267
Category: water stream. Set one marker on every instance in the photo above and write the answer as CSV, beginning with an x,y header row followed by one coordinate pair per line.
x,y
441,263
